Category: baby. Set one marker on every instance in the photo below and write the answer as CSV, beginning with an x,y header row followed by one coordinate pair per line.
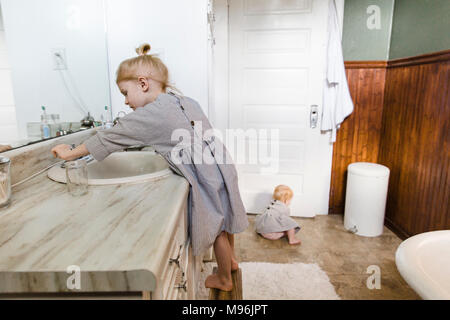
x,y
275,222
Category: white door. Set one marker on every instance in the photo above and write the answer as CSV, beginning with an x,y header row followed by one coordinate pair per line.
x,y
276,62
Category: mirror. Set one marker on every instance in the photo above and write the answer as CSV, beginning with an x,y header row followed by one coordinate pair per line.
x,y
53,56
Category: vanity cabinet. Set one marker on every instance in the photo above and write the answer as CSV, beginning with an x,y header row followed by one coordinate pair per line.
x,y
178,274
176,278
127,240
134,242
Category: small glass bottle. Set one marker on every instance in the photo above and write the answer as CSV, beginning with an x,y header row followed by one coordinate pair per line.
x,y
5,182
108,121
45,128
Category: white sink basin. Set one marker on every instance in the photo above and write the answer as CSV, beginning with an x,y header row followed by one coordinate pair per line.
x,y
120,167
424,262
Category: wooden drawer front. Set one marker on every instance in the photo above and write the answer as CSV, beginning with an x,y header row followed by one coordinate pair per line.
x,y
176,291
176,267
180,286
169,274
174,271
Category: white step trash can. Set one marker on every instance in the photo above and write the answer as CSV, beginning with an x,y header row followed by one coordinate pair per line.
x,y
365,200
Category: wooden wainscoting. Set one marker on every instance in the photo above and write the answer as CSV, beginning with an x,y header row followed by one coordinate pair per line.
x,y
415,143
358,139
401,120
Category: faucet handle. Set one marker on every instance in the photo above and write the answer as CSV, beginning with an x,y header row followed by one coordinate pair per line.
x,y
118,116
88,158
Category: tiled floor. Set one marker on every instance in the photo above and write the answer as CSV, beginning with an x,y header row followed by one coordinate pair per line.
x,y
344,256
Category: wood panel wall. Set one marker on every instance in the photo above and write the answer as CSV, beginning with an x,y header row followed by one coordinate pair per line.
x,y
415,143
358,139
401,120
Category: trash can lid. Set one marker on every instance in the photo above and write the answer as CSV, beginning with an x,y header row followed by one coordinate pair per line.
x,y
368,169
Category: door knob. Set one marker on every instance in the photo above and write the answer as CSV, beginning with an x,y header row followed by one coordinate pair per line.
x,y
314,116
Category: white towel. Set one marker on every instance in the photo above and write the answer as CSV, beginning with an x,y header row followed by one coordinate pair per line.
x,y
337,102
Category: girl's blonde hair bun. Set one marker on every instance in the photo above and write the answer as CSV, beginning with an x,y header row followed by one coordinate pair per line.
x,y
145,65
143,49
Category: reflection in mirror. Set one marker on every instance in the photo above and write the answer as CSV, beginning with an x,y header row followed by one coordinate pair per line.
x,y
53,69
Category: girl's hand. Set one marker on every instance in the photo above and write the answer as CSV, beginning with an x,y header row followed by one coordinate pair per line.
x,y
63,151
4,148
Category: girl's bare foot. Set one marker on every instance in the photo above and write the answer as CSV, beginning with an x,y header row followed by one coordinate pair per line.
x,y
222,279
214,281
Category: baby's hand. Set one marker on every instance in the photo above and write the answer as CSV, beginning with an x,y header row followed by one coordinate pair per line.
x,y
62,151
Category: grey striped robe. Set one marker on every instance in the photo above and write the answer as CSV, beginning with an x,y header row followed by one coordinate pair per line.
x,y
214,203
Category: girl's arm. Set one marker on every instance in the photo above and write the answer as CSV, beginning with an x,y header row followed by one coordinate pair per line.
x,y
141,127
65,152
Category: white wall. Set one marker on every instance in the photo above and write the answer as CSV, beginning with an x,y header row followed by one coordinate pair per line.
x,y
175,28
33,28
8,124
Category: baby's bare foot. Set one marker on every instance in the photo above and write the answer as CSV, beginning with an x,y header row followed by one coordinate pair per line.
x,y
295,242
214,281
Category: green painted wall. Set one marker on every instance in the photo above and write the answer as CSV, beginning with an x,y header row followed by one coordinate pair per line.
x,y
419,27
359,42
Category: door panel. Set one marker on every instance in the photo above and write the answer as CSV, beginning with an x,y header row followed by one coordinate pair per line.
x,y
276,60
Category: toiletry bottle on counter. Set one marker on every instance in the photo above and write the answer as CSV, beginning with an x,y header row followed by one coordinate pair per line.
x,y
45,128
107,118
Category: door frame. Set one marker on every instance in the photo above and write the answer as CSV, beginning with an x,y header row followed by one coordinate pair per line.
x,y
218,66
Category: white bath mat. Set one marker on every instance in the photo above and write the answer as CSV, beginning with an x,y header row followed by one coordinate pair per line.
x,y
278,281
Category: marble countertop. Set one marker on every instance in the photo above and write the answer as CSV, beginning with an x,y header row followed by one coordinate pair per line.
x,y
115,234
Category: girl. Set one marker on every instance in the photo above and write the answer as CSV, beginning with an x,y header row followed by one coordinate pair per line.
x,y
215,208
275,222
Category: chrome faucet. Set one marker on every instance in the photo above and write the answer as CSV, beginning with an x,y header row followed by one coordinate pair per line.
x,y
88,158
118,116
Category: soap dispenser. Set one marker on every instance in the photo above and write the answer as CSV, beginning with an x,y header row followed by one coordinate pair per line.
x,y
45,128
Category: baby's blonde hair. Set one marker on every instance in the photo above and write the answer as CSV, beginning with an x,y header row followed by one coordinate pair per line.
x,y
145,65
283,193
